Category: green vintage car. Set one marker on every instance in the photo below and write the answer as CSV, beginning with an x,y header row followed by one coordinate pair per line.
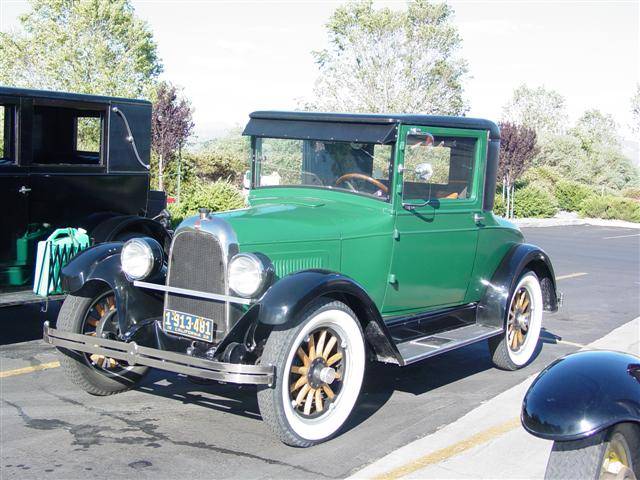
x,y
367,237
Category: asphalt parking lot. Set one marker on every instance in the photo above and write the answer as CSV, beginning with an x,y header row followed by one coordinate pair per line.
x,y
170,427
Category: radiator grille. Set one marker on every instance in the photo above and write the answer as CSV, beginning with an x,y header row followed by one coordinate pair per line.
x,y
196,263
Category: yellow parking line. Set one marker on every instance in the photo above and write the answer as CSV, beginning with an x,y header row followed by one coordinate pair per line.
x,y
33,368
571,275
452,450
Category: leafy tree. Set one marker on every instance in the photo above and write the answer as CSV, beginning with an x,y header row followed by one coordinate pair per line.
x,y
384,60
517,149
538,108
596,128
635,110
171,125
84,46
590,153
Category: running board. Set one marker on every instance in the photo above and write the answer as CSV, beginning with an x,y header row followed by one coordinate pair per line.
x,y
424,347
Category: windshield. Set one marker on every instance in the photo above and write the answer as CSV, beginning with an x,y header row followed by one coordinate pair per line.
x,y
355,167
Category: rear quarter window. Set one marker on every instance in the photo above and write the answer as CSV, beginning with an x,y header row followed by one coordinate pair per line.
x,y
67,136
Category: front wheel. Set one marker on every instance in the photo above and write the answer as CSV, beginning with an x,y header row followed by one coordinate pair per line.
x,y
93,312
517,346
319,370
611,454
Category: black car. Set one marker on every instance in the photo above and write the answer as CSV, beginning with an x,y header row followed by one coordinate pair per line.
x,y
69,160
588,403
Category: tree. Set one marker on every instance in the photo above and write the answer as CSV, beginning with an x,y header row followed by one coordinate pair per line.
x,y
596,128
171,125
83,46
538,108
635,110
383,60
517,149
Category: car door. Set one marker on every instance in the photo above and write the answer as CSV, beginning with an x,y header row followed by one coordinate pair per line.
x,y
14,197
438,203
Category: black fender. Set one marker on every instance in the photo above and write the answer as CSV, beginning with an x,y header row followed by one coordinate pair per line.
x,y
101,263
522,256
582,394
286,299
112,228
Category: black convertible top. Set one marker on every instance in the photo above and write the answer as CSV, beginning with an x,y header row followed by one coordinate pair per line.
x,y
279,121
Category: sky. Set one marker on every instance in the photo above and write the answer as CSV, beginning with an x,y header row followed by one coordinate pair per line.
x,y
233,57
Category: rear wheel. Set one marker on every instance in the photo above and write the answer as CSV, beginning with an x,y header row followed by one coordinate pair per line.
x,y
608,455
517,346
93,312
319,370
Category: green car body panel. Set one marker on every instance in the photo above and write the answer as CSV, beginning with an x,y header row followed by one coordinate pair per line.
x,y
408,261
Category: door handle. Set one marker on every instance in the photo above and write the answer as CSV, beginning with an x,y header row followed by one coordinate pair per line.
x,y
24,190
478,219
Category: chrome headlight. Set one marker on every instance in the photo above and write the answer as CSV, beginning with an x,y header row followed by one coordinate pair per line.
x,y
249,273
140,257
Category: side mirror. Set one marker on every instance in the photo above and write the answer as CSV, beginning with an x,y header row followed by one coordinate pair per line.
x,y
424,171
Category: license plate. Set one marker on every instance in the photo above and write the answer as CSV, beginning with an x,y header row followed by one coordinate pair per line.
x,y
188,325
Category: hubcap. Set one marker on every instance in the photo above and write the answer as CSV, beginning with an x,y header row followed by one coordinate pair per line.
x,y
316,374
519,319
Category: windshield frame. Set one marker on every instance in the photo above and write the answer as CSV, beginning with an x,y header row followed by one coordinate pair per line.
x,y
391,170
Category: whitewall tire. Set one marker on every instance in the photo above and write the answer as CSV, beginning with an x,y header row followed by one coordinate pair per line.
x,y
320,363
519,343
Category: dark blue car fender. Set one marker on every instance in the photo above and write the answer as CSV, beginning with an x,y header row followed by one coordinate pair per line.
x,y
581,394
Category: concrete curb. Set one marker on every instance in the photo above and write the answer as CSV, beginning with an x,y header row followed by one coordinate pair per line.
x,y
474,446
561,222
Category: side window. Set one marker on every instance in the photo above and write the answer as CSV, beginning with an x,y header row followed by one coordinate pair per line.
x,y
7,134
438,167
67,136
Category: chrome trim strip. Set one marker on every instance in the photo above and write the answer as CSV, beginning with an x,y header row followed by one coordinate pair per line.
x,y
136,354
192,293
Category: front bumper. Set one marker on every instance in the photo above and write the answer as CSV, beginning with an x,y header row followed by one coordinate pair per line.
x,y
135,354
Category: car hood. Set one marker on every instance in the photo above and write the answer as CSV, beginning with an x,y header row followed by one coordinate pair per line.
x,y
299,220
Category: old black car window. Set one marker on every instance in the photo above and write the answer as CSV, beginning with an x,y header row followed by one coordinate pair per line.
x,y
438,167
7,135
356,167
66,136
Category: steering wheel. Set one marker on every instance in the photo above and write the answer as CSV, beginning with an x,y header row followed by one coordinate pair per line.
x,y
362,176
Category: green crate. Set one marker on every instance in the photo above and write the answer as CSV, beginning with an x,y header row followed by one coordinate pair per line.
x,y
53,254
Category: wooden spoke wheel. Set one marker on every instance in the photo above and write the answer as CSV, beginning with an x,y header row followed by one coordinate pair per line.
x,y
519,319
518,345
93,311
317,372
617,458
606,455
320,364
101,320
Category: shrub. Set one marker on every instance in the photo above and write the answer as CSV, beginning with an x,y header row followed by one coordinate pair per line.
x,y
571,194
500,206
631,192
225,158
543,176
534,201
217,196
610,207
